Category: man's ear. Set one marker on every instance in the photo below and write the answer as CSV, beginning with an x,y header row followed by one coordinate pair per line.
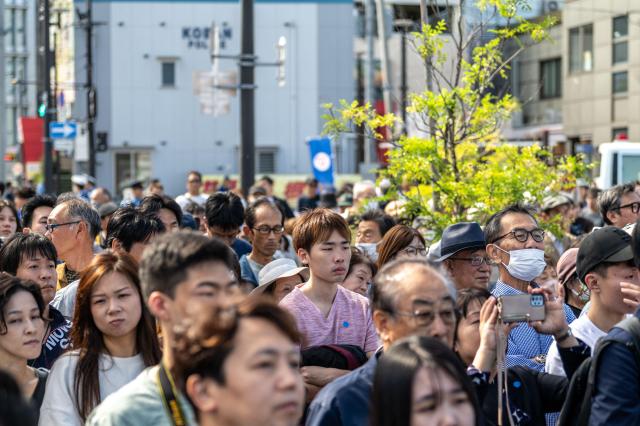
x,y
382,320
612,215
247,232
448,266
493,252
203,393
116,245
303,255
592,282
159,306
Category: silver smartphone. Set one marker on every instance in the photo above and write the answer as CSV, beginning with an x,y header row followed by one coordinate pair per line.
x,y
521,307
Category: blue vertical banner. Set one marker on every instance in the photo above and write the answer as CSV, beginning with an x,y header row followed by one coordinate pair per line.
x,y
321,160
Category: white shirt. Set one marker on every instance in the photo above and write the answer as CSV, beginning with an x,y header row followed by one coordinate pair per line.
x,y
582,328
65,300
186,198
59,406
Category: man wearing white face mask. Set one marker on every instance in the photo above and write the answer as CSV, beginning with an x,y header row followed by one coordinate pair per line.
x,y
515,243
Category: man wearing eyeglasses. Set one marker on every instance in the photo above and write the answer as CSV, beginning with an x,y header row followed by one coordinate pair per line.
x,y
463,255
72,227
194,183
515,243
264,225
620,205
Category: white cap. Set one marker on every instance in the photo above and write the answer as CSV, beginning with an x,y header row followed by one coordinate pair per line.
x,y
279,268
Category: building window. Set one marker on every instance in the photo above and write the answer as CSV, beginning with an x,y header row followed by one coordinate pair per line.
x,y
620,36
551,78
130,166
581,48
620,82
266,161
168,74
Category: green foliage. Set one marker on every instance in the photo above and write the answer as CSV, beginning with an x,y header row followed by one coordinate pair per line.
x,y
460,169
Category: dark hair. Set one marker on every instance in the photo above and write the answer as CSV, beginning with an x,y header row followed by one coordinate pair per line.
x,y
594,192
166,262
25,192
398,237
25,246
610,199
30,206
267,179
392,394
250,213
195,172
66,196
88,339
384,221
9,286
14,408
79,209
316,226
224,210
129,226
466,296
635,243
12,207
204,347
493,228
152,204
358,257
194,208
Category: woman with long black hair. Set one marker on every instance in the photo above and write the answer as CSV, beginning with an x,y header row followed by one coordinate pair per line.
x,y
113,338
420,381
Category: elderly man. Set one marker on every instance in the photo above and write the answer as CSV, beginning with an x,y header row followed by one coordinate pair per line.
x,y
72,227
515,243
408,297
620,205
463,255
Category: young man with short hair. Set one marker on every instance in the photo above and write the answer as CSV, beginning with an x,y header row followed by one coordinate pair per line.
x,y
182,274
619,205
605,265
374,223
225,215
35,213
33,257
165,208
264,225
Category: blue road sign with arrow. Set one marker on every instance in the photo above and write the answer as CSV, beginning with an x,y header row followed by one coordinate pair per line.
x,y
62,129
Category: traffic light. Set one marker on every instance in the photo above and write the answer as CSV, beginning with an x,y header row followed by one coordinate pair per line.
x,y
42,110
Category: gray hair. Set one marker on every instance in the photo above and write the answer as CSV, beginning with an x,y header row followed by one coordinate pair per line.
x,y
609,200
79,209
384,294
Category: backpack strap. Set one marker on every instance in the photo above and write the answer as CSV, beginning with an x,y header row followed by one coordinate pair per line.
x,y
632,326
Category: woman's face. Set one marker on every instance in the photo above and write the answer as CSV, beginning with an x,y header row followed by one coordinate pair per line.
x,y
468,336
8,223
115,305
24,332
414,250
438,400
41,270
358,279
284,286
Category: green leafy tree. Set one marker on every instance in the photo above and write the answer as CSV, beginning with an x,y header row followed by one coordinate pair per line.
x,y
461,170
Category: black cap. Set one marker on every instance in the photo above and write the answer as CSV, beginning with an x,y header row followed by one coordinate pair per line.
x,y
461,236
608,244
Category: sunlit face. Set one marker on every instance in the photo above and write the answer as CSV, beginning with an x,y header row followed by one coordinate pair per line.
x,y
464,274
266,244
8,223
414,250
65,238
42,271
468,335
23,330
368,232
606,288
263,384
439,400
39,219
358,279
328,260
116,307
284,286
194,182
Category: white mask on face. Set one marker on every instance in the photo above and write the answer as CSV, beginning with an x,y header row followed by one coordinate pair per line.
x,y
584,294
525,264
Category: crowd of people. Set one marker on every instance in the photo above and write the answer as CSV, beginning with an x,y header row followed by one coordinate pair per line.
x,y
220,310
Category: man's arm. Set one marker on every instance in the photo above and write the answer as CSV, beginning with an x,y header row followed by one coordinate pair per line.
x,y
616,388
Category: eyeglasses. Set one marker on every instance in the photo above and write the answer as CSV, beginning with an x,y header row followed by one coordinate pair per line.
x,y
425,318
266,230
635,207
522,235
53,226
475,260
195,181
414,251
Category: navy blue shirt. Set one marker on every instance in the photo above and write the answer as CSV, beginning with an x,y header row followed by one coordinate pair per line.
x,y
55,342
241,247
617,385
346,400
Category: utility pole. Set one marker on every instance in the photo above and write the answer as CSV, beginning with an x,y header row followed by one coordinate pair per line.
x,y
404,25
384,56
369,75
3,97
44,18
91,91
247,108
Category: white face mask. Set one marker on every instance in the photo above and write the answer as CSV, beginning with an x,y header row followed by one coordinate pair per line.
x,y
584,294
525,264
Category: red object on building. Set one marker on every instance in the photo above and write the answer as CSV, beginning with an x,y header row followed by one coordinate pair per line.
x,y
32,129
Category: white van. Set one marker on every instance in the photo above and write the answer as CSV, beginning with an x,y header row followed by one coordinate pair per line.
x,y
619,163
